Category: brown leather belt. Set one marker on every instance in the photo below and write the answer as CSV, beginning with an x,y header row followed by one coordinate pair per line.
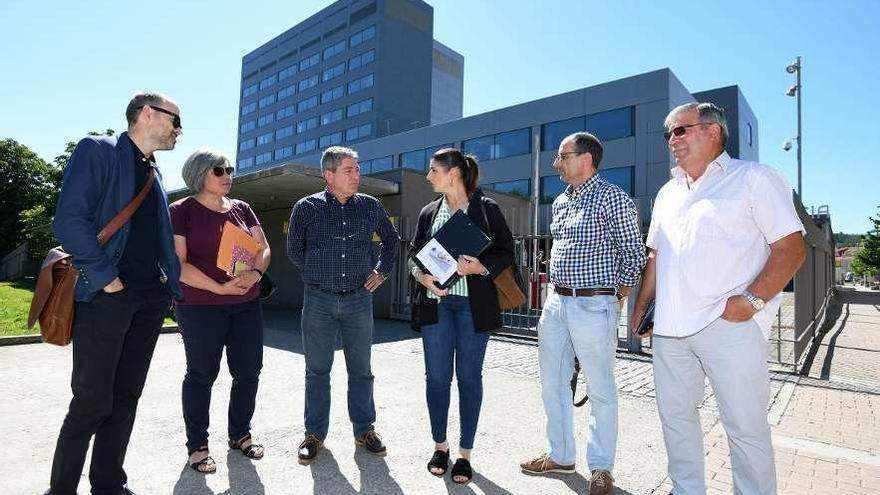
x,y
565,291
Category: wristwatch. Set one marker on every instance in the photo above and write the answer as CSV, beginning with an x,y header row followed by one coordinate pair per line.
x,y
754,300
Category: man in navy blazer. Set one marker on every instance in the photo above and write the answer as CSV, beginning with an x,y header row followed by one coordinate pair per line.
x,y
123,292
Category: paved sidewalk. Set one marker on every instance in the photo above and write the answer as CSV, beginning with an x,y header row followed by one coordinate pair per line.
x,y
826,424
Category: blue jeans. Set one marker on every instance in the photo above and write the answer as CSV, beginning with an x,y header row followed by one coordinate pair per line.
x,y
206,330
453,338
325,317
585,327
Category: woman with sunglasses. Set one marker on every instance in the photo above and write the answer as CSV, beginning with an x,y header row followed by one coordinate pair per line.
x,y
217,310
455,322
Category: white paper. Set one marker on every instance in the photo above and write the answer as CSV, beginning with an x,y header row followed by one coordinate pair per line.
x,y
437,260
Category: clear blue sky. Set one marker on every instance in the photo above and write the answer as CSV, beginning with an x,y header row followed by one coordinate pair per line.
x,y
70,67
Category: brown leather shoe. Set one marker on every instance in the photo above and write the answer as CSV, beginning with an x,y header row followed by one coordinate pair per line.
x,y
601,483
543,464
308,449
371,442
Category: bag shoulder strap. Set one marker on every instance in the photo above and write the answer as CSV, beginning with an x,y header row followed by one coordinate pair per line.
x,y
119,220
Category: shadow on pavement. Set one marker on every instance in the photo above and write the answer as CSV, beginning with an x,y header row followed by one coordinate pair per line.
x,y
282,330
326,476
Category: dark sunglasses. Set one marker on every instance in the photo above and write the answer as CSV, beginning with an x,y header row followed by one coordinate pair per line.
x,y
681,130
219,171
175,121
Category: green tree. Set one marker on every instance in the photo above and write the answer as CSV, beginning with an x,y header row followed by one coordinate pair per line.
x,y
867,259
26,181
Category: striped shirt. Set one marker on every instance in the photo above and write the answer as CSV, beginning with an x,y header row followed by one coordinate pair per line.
x,y
443,214
596,238
332,243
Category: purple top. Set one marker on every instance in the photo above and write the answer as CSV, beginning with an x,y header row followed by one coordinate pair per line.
x,y
202,228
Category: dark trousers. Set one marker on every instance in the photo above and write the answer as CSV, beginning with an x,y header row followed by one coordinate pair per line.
x,y
349,317
114,336
453,341
206,330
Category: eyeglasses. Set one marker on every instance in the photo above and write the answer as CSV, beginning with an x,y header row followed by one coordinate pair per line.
x,y
175,121
681,130
219,171
561,156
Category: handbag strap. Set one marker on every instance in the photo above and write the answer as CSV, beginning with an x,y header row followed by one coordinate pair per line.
x,y
119,220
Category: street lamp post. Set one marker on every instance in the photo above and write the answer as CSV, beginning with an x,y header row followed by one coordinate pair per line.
x,y
796,90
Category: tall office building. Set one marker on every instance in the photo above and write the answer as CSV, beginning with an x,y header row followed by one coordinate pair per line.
x,y
356,70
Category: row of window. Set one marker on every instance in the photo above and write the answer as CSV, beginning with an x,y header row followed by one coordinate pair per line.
x,y
613,124
350,134
499,145
552,186
314,59
312,102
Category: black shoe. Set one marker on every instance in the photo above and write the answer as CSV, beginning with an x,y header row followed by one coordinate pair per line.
x,y
309,448
371,442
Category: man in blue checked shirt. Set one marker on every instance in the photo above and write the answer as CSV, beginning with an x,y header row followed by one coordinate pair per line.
x,y
597,256
330,241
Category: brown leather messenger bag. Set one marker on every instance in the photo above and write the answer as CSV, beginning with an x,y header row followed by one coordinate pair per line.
x,y
53,298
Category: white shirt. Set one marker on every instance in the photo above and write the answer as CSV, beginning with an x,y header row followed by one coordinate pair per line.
x,y
712,239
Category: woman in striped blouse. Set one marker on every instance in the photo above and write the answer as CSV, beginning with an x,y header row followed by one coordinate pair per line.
x,y
456,322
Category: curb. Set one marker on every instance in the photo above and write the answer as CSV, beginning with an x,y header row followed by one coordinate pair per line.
x,y
36,339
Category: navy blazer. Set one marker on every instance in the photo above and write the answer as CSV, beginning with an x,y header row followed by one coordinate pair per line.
x,y
98,183
482,295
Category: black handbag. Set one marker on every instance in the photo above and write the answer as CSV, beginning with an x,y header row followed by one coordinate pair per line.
x,y
267,287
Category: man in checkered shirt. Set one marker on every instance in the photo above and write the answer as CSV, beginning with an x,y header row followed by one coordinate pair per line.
x,y
597,256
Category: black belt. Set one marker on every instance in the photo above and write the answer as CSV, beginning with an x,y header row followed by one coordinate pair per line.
x,y
565,291
337,292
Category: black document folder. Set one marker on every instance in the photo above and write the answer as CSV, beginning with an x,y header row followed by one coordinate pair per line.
x,y
646,324
439,257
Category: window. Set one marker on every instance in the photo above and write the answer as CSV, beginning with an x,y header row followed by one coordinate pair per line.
x,y
248,126
512,143
287,92
264,138
332,94
309,82
283,152
613,124
360,83
288,72
265,119
285,112
414,159
361,36
333,72
306,125
309,61
267,100
265,83
330,140
246,145
284,132
306,104
553,133
362,59
622,177
264,158
358,132
551,186
377,165
249,108
330,117
749,133
359,107
306,146
334,50
517,187
480,147
252,89
245,163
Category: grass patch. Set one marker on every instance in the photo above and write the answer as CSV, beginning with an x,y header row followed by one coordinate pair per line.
x,y
16,302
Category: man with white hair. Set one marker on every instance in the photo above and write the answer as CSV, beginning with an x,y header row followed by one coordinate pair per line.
x,y
724,241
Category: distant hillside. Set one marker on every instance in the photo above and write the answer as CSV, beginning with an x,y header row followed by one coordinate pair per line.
x,y
847,240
